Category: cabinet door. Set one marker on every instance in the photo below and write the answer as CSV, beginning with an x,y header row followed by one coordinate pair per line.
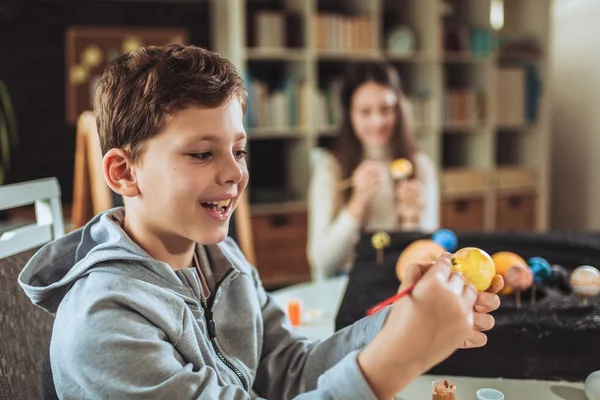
x,y
516,212
463,214
280,244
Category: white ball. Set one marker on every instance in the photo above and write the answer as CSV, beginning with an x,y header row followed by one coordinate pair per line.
x,y
592,386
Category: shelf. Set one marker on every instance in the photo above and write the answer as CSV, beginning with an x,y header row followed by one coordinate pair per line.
x,y
465,126
423,128
466,58
348,55
460,85
328,131
463,182
514,58
516,127
277,208
415,57
276,54
515,179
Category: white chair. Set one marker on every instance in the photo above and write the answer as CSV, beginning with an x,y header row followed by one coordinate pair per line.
x,y
45,195
25,329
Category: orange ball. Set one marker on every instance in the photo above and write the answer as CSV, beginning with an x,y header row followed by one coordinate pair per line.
x,y
420,251
504,261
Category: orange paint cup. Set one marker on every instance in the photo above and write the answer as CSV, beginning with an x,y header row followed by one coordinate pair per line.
x,y
294,310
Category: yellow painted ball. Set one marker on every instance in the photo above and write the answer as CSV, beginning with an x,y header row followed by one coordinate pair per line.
x,y
476,266
380,240
401,168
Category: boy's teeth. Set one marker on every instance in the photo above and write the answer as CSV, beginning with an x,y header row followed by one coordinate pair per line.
x,y
223,203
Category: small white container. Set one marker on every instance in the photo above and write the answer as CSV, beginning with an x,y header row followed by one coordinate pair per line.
x,y
489,394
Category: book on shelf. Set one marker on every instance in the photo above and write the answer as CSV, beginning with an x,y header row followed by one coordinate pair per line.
x,y
343,33
327,108
420,107
274,29
519,90
461,39
278,106
464,105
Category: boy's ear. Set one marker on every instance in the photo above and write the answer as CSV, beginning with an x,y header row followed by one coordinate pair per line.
x,y
119,173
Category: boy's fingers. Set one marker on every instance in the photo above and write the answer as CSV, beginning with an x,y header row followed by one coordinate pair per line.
x,y
414,273
456,282
487,302
470,295
483,322
497,284
442,267
478,339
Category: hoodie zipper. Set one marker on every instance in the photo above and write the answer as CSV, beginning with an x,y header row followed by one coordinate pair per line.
x,y
212,331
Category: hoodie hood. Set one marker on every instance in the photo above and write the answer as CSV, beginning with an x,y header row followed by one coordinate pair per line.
x,y
101,245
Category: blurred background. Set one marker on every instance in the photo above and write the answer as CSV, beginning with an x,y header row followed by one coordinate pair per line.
x,y
503,94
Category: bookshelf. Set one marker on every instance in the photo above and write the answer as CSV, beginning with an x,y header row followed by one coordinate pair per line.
x,y
479,92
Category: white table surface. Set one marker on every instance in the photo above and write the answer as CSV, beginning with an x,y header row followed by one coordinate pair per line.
x,y
326,296
513,389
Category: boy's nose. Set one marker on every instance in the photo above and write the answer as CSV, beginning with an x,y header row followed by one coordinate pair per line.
x,y
231,172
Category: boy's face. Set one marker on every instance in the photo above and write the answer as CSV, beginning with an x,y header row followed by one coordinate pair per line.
x,y
191,175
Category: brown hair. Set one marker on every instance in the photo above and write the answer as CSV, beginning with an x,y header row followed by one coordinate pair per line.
x,y
140,90
348,149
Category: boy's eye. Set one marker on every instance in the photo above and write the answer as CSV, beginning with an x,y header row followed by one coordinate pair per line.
x,y
240,154
201,156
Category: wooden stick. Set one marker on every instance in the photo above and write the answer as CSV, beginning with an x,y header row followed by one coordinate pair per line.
x,y
379,256
345,184
533,290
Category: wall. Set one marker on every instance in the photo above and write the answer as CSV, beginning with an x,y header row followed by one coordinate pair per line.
x,y
32,35
576,115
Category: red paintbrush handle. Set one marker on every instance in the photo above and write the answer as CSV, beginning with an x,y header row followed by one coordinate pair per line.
x,y
390,300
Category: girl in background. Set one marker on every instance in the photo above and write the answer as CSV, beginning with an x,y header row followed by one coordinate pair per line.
x,y
376,128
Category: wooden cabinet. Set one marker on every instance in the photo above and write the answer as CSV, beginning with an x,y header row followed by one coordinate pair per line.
x,y
280,245
463,214
516,212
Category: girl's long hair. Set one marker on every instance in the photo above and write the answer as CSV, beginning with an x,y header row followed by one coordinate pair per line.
x,y
347,148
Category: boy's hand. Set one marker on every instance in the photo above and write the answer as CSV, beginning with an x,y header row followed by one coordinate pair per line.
x,y
487,301
422,329
422,273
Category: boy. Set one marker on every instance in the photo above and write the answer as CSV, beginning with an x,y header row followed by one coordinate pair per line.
x,y
152,301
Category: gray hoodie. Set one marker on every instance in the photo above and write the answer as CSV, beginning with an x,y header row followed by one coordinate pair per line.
x,y
130,327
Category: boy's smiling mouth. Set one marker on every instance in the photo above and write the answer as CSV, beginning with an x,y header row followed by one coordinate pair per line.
x,y
218,209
